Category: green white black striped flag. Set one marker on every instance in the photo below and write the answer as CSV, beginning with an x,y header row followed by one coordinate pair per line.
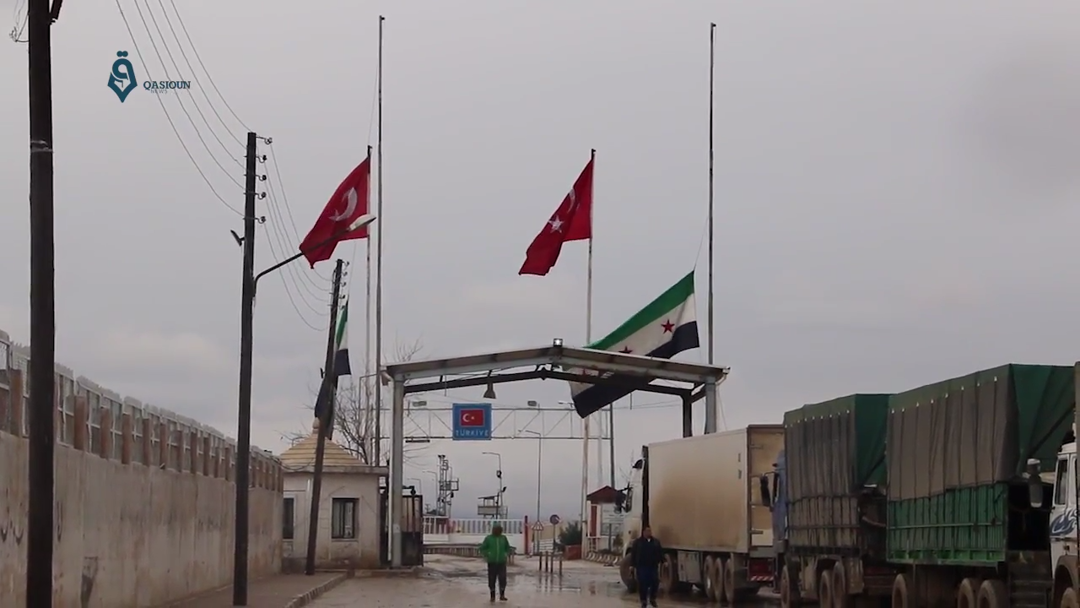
x,y
666,327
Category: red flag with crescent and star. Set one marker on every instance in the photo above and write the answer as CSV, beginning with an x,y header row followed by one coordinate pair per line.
x,y
471,417
349,202
572,221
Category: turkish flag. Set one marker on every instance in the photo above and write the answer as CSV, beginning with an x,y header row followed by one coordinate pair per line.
x,y
572,221
349,202
470,417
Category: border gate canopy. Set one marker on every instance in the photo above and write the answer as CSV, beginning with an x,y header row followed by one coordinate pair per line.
x,y
558,363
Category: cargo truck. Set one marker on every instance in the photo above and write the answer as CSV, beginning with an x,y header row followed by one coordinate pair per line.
x,y
966,522
828,497
700,497
1064,532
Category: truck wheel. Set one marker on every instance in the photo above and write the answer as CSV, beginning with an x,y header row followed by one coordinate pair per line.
x,y
825,589
712,577
789,590
968,592
729,581
900,595
667,575
626,573
993,594
1070,599
840,597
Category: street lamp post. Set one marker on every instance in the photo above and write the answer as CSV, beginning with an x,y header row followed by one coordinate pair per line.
x,y
499,490
243,430
539,474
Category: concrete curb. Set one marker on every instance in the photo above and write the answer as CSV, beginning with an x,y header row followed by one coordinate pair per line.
x,y
311,594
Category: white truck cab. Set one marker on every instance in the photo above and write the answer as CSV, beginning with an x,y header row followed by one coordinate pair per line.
x,y
1064,533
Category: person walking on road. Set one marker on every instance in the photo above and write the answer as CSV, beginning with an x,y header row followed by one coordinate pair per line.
x,y
496,551
647,554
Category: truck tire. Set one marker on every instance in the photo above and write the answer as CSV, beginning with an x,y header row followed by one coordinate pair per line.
x,y
826,592
901,596
713,579
1070,599
789,590
993,594
626,573
968,592
840,598
668,575
729,581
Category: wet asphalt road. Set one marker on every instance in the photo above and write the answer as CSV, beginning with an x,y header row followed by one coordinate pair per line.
x,y
456,582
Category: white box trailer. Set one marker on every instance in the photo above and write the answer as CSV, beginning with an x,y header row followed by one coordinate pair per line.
x,y
700,496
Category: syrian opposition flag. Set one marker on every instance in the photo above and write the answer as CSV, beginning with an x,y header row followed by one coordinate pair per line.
x,y
349,202
572,221
341,344
341,367
663,329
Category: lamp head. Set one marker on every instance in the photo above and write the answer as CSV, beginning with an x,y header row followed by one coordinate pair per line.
x,y
361,221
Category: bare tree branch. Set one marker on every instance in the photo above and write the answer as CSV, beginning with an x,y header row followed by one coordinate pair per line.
x,y
354,413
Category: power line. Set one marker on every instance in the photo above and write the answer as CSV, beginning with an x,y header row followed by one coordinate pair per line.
x,y
205,71
172,123
288,208
288,293
278,218
180,101
275,235
191,70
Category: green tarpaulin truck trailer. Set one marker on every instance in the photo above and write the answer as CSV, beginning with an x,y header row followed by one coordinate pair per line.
x,y
831,482
962,457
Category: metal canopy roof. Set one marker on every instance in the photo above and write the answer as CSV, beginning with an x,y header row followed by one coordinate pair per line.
x,y
562,356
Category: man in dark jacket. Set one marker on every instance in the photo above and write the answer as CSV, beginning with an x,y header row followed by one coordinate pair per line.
x,y
647,554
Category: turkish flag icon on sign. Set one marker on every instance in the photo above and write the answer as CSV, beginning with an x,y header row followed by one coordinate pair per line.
x,y
472,421
471,417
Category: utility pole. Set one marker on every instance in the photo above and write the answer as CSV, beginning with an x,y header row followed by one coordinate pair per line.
x,y
243,426
326,416
41,474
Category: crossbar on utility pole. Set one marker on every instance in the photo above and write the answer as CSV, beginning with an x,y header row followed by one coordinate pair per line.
x,y
243,425
41,474
325,419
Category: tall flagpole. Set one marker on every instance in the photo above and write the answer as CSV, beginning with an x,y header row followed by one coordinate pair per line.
x,y
378,272
711,413
585,431
365,394
712,71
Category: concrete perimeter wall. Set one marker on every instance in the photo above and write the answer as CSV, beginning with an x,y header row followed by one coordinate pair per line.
x,y
144,498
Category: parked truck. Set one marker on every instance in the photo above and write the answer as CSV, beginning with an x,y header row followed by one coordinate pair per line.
x,y
1064,532
700,497
966,522
829,495
965,457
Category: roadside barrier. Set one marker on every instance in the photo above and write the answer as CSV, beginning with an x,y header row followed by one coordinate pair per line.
x,y
607,559
548,560
461,551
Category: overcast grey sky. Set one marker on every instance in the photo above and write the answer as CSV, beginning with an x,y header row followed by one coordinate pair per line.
x,y
896,193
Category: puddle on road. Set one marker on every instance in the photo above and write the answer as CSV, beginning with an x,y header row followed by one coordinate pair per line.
x,y
525,582
532,585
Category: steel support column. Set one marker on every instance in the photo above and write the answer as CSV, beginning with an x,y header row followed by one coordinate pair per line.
x,y
712,410
687,416
397,472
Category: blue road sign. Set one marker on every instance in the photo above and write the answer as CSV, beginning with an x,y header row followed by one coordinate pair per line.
x,y
472,421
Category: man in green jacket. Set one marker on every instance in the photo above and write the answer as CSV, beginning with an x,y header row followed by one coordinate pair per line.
x,y
496,551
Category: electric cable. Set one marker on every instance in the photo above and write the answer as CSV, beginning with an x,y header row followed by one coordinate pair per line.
x,y
172,123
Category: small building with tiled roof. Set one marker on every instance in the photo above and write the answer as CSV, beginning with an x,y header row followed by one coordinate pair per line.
x,y
348,521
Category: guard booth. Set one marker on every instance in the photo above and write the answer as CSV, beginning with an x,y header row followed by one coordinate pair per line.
x,y
412,528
